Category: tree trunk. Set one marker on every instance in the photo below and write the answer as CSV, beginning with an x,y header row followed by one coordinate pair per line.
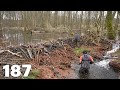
x,y
116,27
88,20
109,26
56,19
1,18
81,19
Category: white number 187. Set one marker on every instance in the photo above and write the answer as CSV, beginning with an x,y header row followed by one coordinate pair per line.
x,y
15,70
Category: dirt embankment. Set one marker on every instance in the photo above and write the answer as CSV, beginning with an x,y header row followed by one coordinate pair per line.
x,y
55,65
115,64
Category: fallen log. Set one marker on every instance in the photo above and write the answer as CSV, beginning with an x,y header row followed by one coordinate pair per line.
x,y
16,54
17,59
109,57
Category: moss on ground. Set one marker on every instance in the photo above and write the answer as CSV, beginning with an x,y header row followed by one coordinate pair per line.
x,y
78,51
33,74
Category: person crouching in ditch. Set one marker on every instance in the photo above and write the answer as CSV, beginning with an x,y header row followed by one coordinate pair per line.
x,y
76,39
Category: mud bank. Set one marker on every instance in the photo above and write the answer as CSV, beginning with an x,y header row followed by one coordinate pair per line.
x,y
115,63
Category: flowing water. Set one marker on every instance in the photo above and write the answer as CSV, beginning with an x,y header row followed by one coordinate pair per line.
x,y
99,70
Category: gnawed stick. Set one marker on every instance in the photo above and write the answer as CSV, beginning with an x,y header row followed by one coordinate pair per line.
x,y
25,54
30,53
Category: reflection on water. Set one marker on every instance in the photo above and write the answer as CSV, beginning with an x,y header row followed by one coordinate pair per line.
x,y
17,37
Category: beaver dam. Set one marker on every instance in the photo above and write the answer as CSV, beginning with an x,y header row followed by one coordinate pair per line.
x,y
51,60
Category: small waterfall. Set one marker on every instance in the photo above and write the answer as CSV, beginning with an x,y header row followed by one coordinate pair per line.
x,y
105,63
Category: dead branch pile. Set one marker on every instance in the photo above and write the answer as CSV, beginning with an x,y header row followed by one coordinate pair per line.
x,y
29,52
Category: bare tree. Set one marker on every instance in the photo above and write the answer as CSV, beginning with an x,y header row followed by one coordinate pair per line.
x,y
56,19
81,19
88,20
109,25
1,19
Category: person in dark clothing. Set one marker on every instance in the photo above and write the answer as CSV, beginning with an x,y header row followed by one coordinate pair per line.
x,y
76,39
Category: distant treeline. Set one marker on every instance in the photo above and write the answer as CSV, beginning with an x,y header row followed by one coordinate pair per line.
x,y
102,23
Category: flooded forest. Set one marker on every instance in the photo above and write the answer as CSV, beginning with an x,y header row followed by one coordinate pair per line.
x,y
48,41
